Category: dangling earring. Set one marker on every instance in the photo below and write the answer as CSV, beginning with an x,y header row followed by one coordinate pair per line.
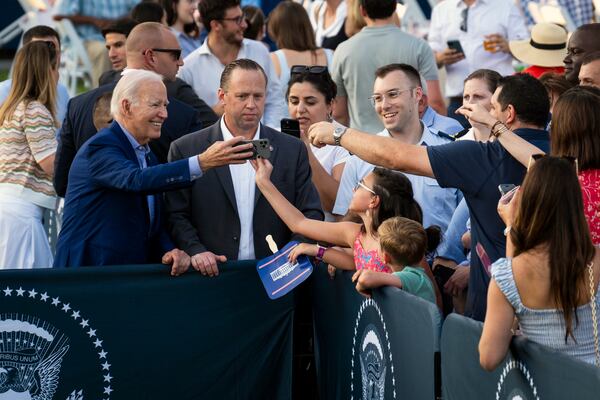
x,y
329,117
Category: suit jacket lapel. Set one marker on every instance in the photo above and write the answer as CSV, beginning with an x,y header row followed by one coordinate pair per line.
x,y
265,134
223,173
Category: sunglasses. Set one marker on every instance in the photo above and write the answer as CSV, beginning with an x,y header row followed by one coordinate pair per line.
x,y
362,185
175,53
536,157
465,17
304,69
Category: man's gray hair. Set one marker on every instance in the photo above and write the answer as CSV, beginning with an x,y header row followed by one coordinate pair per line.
x,y
128,87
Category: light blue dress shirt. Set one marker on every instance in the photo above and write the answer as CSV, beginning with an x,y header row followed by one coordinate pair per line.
x,y
61,101
440,123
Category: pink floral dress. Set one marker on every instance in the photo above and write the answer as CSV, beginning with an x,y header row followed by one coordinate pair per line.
x,y
590,190
368,259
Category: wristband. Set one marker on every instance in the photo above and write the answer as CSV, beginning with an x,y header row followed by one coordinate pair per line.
x,y
498,129
320,252
507,230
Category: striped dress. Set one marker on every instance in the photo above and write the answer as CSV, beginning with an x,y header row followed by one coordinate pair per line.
x,y
26,139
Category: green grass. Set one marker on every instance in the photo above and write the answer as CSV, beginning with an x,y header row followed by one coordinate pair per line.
x,y
3,74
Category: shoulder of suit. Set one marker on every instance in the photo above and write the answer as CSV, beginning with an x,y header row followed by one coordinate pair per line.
x,y
198,136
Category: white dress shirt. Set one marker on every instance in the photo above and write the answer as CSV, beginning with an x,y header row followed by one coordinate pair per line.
x,y
244,186
202,71
485,17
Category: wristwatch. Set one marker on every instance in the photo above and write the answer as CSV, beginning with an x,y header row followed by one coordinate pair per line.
x,y
338,132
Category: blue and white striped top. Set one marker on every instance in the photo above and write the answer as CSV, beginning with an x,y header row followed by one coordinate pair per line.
x,y
547,326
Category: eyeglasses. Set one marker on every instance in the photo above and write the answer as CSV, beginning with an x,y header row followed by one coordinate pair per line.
x,y
237,20
537,157
304,69
391,95
175,53
362,185
465,17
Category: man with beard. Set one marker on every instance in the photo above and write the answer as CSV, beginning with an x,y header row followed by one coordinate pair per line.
x,y
225,43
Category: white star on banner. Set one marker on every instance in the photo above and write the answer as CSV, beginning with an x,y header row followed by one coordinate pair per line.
x,y
84,323
44,296
32,293
8,291
20,292
107,378
107,390
75,314
66,307
102,354
106,365
55,301
91,332
98,342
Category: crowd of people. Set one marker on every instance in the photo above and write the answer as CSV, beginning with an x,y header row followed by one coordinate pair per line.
x,y
480,195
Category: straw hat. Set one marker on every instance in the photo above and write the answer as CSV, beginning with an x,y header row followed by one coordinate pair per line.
x,y
546,48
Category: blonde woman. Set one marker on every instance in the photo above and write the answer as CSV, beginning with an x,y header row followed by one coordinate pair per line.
x,y
27,147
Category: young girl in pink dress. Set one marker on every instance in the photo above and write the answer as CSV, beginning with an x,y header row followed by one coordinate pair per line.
x,y
380,195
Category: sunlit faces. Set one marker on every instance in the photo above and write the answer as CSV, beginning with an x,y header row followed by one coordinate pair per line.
x,y
307,105
589,74
476,91
233,25
185,10
395,100
244,99
580,43
363,197
115,44
144,116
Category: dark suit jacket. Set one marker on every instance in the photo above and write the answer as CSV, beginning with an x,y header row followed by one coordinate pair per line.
x,y
177,89
204,216
78,127
106,219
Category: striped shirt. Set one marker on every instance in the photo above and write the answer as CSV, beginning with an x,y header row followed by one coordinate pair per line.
x,y
25,140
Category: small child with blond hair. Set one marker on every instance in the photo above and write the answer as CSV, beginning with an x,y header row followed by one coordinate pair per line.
x,y
403,246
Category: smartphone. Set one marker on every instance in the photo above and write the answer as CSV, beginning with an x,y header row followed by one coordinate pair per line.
x,y
291,127
504,188
261,148
455,45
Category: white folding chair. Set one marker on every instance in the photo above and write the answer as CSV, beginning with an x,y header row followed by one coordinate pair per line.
x,y
75,62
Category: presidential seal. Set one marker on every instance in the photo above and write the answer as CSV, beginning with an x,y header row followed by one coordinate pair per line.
x,y
372,373
47,342
516,383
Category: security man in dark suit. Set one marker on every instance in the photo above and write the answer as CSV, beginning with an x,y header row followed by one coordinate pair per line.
x,y
150,46
222,216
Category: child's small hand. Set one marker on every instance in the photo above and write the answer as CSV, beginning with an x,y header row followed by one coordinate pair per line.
x,y
361,277
331,270
302,248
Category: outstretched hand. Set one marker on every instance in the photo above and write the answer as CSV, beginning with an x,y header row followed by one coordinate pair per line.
x,y
476,113
224,153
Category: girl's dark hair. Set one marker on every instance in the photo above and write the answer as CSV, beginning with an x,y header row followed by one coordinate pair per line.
x,y
170,8
290,28
576,126
322,82
255,20
396,200
490,77
551,216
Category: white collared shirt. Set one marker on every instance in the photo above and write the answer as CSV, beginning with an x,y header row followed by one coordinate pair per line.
x,y
485,17
242,176
202,71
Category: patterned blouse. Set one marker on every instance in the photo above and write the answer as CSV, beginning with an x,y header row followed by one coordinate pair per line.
x,y
25,140
590,190
368,259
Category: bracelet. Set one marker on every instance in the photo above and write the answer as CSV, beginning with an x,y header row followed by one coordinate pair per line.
x,y
498,129
507,230
320,252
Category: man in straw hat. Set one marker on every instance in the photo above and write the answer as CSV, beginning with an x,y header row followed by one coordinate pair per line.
x,y
544,51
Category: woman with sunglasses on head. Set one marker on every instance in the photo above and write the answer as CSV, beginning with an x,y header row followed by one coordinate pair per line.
x,y
311,95
180,18
549,279
289,27
575,133
27,146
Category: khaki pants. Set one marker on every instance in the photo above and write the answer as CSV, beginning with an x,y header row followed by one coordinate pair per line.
x,y
99,58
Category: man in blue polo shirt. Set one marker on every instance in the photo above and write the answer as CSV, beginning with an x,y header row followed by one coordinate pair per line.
x,y
521,104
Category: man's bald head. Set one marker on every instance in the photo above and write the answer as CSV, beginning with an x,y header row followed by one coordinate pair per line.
x,y
585,40
144,36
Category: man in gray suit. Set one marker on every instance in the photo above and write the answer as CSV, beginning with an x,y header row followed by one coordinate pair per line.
x,y
222,216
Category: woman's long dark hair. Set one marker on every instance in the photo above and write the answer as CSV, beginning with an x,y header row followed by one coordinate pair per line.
x,y
550,216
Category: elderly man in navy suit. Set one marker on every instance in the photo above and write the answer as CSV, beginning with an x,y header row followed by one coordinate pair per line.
x,y
113,210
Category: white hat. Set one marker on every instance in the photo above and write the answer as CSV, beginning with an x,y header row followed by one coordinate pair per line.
x,y
546,48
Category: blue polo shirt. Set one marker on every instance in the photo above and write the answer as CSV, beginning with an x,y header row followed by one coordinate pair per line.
x,y
477,169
